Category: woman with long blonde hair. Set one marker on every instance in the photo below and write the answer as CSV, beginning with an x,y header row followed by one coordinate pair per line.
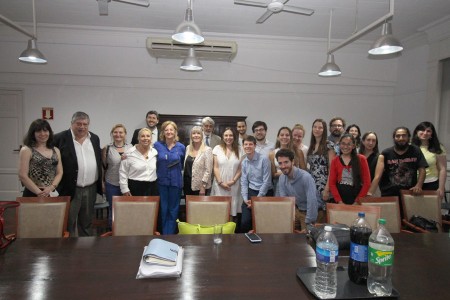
x,y
198,165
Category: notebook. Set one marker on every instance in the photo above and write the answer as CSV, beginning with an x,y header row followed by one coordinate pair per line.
x,y
161,252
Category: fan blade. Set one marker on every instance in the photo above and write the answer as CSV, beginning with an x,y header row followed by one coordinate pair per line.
x,y
264,17
145,3
250,3
298,10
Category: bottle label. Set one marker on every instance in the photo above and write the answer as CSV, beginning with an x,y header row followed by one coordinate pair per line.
x,y
359,252
382,257
327,256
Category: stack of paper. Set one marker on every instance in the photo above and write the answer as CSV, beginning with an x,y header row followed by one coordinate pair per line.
x,y
161,259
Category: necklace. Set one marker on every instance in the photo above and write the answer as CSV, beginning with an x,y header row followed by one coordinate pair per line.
x,y
115,146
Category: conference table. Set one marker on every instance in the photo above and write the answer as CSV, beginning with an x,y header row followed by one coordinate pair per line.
x,y
106,268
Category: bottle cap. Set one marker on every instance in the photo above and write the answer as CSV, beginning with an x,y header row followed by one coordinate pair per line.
x,y
361,214
327,228
381,221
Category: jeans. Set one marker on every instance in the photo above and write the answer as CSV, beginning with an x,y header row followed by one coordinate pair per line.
x,y
110,191
169,204
246,221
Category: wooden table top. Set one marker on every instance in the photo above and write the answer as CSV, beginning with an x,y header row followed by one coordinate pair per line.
x,y
106,268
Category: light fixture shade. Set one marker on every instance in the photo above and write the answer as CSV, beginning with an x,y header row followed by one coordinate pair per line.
x,y
387,43
188,32
191,62
330,69
32,54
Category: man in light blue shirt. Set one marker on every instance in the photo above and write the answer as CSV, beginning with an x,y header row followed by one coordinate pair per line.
x,y
299,184
256,180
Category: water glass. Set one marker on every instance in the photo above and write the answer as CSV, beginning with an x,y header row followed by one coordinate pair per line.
x,y
217,236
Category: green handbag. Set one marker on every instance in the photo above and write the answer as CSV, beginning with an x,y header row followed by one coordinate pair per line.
x,y
186,228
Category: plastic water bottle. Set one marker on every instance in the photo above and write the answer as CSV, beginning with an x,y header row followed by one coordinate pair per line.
x,y
327,250
360,232
381,259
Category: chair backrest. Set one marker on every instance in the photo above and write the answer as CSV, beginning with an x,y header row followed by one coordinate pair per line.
x,y
134,215
390,211
208,210
346,214
273,214
42,217
427,205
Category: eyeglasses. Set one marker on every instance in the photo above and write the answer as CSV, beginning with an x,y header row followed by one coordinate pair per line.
x,y
259,129
337,126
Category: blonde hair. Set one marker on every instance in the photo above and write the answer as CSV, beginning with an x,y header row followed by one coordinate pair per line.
x,y
163,127
144,130
299,127
191,144
118,126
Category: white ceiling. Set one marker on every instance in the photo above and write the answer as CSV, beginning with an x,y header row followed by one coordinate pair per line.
x,y
223,16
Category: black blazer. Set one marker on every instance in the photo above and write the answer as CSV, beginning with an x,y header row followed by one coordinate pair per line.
x,y
64,142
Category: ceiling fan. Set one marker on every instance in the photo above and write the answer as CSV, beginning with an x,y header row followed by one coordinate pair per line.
x,y
275,6
103,4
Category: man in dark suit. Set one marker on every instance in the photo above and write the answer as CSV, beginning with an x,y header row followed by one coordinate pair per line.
x,y
81,159
152,119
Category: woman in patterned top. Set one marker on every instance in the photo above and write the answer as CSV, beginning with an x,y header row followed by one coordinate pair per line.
x,y
40,167
320,154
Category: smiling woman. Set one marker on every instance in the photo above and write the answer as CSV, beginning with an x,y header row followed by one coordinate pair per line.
x,y
40,167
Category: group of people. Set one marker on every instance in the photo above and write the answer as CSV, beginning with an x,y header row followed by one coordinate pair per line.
x,y
341,167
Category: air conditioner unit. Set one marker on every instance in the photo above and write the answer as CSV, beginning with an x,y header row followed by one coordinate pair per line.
x,y
208,50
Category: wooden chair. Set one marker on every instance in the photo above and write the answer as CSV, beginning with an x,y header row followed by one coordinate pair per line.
x,y
42,217
346,214
390,211
6,240
273,214
427,205
208,210
134,215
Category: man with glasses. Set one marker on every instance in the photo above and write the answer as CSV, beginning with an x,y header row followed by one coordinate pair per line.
x,y
263,146
81,159
337,128
209,138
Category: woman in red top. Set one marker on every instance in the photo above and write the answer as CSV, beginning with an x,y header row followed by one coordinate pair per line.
x,y
349,173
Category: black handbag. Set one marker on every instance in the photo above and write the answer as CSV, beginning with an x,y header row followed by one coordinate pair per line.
x,y
424,223
340,231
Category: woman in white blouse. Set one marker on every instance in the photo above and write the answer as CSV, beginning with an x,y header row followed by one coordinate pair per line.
x,y
227,171
198,164
138,170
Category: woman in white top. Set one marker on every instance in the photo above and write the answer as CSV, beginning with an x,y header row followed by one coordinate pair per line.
x,y
284,141
227,170
198,164
298,133
138,170
111,158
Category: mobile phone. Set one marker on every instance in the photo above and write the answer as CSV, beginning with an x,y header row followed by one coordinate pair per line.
x,y
253,237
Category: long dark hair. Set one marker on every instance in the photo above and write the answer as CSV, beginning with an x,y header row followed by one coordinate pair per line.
x,y
322,150
291,145
434,145
234,145
38,125
356,167
362,148
358,138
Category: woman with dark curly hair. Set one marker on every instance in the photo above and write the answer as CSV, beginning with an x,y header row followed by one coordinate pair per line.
x,y
426,138
40,167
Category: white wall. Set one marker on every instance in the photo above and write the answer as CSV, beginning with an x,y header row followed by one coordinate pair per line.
x,y
110,75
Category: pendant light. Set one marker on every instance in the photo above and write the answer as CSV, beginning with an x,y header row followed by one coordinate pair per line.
x,y
387,43
188,32
330,68
32,53
191,62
